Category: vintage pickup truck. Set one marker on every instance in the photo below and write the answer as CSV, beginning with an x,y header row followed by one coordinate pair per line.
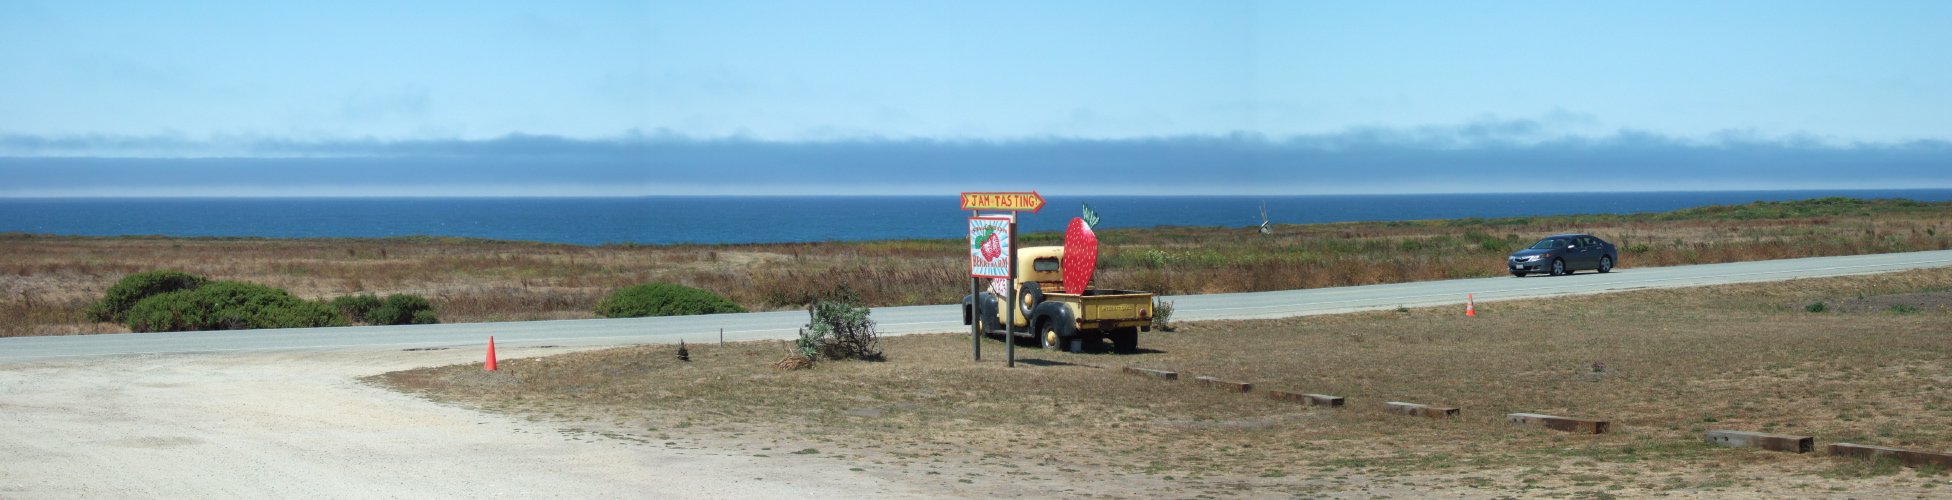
x,y
1059,320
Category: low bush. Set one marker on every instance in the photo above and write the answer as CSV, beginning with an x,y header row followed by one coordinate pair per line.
x,y
402,309
1162,315
355,307
839,328
663,299
229,305
115,303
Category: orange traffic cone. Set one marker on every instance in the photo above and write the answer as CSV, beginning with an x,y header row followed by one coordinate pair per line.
x,y
490,366
1470,305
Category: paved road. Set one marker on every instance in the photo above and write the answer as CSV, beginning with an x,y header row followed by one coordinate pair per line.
x,y
941,318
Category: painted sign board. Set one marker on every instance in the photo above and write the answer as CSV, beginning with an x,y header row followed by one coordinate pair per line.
x,y
1019,202
990,247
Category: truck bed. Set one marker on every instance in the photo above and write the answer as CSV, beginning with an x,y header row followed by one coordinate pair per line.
x,y
1104,306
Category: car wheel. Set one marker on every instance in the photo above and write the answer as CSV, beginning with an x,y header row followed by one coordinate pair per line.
x,y
1517,275
1558,267
1606,264
1047,335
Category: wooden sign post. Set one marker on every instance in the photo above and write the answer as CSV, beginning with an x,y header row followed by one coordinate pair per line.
x,y
992,254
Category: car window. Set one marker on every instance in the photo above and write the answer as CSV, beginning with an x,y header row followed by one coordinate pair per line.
x,y
1587,241
1550,243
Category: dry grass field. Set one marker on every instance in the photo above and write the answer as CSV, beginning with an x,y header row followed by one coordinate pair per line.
x,y
1661,365
46,281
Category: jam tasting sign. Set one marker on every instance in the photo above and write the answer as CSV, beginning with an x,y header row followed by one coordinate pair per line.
x,y
1014,202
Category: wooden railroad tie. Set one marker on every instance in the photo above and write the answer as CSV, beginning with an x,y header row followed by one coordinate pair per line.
x,y
1763,440
1225,384
1158,374
1417,410
1313,399
1568,424
1911,458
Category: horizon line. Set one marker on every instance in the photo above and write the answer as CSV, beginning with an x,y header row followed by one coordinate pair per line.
x,y
953,194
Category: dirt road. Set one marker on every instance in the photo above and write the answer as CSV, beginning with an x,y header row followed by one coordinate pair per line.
x,y
305,426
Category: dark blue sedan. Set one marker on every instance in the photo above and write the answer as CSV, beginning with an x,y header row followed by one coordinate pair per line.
x,y
1561,254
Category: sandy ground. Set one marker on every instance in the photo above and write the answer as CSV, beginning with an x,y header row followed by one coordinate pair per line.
x,y
304,426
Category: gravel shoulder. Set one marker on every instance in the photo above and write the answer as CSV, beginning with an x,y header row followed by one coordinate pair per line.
x,y
305,426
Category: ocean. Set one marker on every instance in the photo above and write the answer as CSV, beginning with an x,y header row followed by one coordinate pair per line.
x,y
773,219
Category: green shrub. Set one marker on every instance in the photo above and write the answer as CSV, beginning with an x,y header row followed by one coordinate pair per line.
x,y
840,328
1488,242
1162,315
663,299
1815,308
402,309
355,307
115,303
229,305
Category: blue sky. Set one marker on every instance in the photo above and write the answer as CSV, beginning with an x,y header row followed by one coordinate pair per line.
x,y
624,98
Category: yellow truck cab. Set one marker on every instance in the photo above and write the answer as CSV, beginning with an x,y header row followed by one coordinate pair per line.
x,y
1059,320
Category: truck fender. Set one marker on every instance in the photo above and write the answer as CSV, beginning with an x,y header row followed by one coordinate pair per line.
x,y
1067,322
985,313
968,309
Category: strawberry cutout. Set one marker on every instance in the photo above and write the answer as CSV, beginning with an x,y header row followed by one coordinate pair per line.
x,y
1080,256
992,246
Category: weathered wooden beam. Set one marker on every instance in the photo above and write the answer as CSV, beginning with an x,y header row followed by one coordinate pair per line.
x,y
1313,399
1158,374
1763,440
1417,410
1225,384
1557,423
1911,458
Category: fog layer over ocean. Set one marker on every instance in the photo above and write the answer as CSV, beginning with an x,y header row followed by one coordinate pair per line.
x,y
767,219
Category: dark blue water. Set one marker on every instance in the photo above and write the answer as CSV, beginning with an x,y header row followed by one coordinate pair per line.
x,y
762,219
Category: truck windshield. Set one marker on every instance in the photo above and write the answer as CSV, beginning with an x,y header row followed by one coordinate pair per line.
x,y
1044,264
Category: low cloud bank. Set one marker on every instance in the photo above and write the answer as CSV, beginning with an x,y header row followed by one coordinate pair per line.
x,y
1490,157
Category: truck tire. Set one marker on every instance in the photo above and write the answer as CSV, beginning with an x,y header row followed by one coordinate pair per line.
x,y
1028,299
1125,340
1048,336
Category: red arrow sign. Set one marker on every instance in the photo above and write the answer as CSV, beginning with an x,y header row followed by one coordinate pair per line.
x,y
1016,202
